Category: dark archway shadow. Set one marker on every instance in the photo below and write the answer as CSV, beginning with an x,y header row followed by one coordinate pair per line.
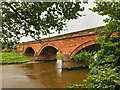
x,y
90,48
48,53
29,52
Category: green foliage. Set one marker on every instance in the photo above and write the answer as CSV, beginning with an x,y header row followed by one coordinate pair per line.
x,y
72,86
108,8
8,58
83,55
36,18
105,68
59,56
105,72
7,46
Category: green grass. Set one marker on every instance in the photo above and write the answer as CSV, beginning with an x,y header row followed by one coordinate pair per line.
x,y
8,58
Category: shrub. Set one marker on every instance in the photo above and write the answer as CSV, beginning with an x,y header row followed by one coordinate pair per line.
x,y
81,56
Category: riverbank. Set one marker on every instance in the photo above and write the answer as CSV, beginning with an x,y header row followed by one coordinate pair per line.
x,y
13,58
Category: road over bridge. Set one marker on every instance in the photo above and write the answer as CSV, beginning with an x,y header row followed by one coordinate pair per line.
x,y
66,44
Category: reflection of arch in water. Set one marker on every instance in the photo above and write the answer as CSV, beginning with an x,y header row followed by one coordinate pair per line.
x,y
29,51
35,69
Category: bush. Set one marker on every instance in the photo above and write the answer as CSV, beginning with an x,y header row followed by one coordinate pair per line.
x,y
83,55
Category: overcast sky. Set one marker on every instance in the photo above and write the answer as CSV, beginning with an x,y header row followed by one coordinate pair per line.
x,y
90,20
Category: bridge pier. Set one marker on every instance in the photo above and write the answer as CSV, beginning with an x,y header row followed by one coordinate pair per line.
x,y
68,64
71,65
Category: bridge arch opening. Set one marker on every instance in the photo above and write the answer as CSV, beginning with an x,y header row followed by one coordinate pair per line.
x,y
48,53
90,48
29,51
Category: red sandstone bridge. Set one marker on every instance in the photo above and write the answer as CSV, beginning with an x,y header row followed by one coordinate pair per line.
x,y
66,44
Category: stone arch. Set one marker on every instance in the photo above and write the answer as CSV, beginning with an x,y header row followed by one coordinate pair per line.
x,y
48,52
49,44
29,51
86,46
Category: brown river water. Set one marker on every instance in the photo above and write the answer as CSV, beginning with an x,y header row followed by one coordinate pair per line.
x,y
41,75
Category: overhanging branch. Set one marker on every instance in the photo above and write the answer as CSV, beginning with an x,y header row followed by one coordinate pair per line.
x,y
22,18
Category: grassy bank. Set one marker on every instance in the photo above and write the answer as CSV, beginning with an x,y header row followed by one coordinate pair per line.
x,y
9,58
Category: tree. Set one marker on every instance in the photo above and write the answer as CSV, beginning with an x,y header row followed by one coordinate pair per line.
x,y
105,72
36,18
105,68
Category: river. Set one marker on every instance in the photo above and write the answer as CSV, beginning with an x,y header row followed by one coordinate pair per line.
x,y
41,75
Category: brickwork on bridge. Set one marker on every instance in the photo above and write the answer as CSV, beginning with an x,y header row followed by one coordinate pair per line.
x,y
66,44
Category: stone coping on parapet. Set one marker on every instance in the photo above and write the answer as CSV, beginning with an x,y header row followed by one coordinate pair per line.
x,y
68,35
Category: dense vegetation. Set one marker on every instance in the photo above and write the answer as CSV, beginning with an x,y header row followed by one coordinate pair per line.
x,y
34,19
9,58
105,68
82,56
